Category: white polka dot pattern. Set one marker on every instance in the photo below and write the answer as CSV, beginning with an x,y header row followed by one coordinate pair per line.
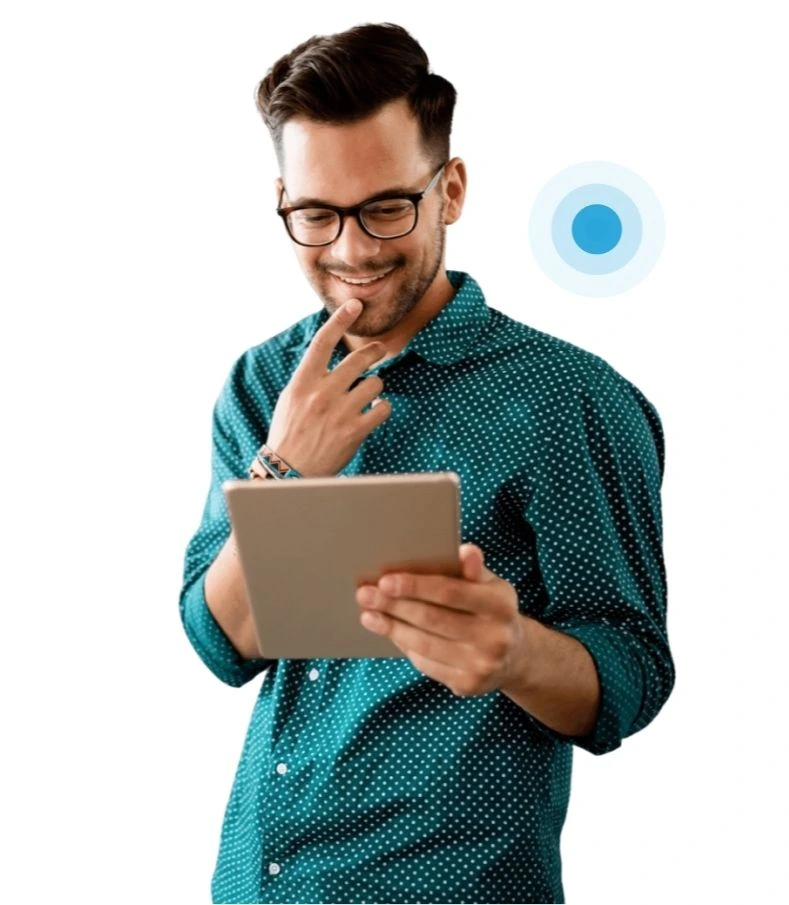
x,y
363,780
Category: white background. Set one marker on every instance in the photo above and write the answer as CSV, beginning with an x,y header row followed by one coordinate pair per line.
x,y
141,256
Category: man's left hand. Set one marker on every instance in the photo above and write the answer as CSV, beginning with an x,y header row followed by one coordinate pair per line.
x,y
464,632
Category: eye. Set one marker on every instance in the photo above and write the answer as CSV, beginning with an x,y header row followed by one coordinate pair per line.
x,y
596,229
313,216
390,209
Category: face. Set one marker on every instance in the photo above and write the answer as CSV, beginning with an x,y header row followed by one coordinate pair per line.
x,y
345,165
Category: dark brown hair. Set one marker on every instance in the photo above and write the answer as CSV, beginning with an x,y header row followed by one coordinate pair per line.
x,y
346,77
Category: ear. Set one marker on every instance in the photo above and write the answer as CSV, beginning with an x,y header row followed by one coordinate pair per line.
x,y
454,189
278,184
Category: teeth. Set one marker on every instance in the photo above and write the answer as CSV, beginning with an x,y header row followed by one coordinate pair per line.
x,y
362,282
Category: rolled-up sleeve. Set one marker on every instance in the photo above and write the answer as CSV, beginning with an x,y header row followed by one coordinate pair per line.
x,y
595,510
203,631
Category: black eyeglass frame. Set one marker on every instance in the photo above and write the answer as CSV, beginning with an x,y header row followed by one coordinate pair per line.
x,y
356,211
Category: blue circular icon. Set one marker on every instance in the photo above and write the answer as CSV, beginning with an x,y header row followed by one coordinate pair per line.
x,y
596,229
594,197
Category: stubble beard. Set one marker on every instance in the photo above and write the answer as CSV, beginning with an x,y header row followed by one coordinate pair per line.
x,y
405,299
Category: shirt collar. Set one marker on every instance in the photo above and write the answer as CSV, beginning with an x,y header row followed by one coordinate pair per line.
x,y
444,340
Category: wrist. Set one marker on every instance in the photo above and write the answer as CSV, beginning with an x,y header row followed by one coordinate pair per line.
x,y
520,679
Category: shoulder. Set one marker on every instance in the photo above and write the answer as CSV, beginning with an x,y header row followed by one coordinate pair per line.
x,y
567,382
550,364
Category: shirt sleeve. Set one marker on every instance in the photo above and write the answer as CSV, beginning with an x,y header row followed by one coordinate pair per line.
x,y
596,514
203,631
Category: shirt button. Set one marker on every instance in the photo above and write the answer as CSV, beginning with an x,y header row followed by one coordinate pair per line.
x,y
282,769
314,674
273,869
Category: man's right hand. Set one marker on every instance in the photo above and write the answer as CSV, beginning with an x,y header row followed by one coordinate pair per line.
x,y
317,424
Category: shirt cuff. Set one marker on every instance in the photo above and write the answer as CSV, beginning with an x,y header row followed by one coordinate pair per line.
x,y
622,688
211,643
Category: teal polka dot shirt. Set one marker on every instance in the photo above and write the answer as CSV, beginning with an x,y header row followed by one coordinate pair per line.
x,y
363,780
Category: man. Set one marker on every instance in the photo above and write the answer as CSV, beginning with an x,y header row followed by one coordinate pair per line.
x,y
442,776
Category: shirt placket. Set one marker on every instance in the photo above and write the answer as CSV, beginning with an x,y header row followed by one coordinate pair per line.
x,y
280,767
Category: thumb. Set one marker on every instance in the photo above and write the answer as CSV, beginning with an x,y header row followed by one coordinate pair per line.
x,y
472,563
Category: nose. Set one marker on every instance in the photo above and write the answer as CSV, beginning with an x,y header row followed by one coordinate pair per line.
x,y
353,246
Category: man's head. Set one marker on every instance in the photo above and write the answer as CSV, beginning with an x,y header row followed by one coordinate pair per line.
x,y
352,116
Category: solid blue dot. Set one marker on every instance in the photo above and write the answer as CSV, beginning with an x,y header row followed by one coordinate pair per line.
x,y
596,229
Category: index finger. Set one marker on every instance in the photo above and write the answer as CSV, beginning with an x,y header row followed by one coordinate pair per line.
x,y
318,355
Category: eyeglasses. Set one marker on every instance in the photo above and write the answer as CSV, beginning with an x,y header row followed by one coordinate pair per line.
x,y
385,216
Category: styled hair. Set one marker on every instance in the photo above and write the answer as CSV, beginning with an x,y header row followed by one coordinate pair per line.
x,y
348,76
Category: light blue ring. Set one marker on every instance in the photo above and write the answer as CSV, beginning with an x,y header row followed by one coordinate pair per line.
x,y
621,253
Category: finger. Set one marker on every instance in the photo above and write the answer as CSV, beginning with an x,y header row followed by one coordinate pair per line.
x,y
454,625
365,392
380,410
472,559
451,676
356,363
412,640
455,593
315,361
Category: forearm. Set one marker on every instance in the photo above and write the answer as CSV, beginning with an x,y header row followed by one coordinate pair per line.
x,y
228,601
555,680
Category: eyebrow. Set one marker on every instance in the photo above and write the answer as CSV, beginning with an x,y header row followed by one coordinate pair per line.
x,y
380,196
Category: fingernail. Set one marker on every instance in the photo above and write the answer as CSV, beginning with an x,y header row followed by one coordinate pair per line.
x,y
374,621
388,584
354,306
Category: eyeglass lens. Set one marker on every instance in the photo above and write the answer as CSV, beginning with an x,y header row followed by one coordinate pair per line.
x,y
385,219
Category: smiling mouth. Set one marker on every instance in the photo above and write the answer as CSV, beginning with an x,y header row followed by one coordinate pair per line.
x,y
363,281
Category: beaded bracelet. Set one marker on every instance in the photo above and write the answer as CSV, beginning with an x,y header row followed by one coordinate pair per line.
x,y
273,465
257,471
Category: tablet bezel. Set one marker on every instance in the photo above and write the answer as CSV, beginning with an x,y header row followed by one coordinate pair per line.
x,y
324,547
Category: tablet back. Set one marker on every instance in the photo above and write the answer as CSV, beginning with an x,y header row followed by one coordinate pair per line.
x,y
306,544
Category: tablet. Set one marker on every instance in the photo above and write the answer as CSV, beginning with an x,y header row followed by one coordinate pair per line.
x,y
306,544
